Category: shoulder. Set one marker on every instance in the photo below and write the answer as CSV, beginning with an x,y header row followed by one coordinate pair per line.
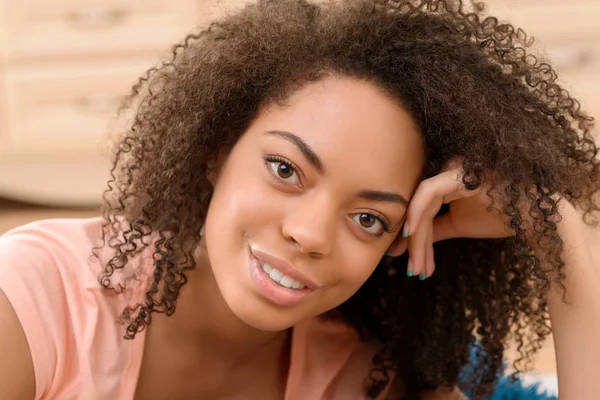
x,y
70,232
51,237
43,260
17,379
47,283
337,364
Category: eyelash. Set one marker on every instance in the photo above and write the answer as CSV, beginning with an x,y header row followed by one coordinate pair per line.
x,y
270,159
385,223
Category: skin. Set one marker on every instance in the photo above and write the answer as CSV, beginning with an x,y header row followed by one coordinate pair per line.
x,y
365,141
574,313
223,328
16,360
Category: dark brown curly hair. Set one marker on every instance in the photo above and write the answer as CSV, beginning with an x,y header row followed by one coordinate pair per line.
x,y
476,92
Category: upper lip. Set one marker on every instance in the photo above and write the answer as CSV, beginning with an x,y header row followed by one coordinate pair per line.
x,y
285,268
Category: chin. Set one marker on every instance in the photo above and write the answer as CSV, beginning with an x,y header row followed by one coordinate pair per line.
x,y
247,304
263,316
250,294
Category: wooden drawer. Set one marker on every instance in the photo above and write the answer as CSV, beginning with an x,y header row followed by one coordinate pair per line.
x,y
3,33
577,64
568,34
550,20
210,10
79,27
58,108
586,89
58,182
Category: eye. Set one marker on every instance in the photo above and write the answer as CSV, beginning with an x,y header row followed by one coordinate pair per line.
x,y
282,170
375,225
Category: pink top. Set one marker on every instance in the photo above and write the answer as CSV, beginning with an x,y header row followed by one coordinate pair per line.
x,y
78,350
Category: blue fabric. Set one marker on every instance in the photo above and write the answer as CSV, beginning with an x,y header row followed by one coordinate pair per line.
x,y
507,389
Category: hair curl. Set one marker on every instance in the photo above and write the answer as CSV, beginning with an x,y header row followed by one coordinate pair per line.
x,y
476,92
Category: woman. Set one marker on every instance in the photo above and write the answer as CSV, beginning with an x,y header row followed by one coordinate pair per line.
x,y
328,201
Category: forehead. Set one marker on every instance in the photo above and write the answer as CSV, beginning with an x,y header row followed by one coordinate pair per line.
x,y
355,129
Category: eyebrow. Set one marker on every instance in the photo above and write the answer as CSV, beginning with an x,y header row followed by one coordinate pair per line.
x,y
308,153
377,195
314,160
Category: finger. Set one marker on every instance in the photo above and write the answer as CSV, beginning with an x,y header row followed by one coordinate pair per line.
x,y
416,250
430,259
417,246
446,186
443,228
398,247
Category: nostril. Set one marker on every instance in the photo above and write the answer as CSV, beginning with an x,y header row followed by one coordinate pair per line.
x,y
296,243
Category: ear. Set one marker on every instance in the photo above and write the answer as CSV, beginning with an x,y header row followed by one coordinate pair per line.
x,y
214,167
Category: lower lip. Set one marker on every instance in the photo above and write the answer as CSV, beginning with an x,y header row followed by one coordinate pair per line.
x,y
272,291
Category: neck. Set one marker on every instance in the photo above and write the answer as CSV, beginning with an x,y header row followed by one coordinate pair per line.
x,y
204,324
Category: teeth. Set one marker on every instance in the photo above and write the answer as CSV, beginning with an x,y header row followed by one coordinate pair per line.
x,y
278,277
266,267
286,281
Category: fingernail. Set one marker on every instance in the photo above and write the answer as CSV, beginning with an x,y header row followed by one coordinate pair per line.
x,y
405,233
409,268
388,253
423,276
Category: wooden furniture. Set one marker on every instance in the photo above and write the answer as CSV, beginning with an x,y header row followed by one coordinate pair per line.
x,y
65,65
568,34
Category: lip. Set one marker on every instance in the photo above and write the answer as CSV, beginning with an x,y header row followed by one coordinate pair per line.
x,y
285,268
274,292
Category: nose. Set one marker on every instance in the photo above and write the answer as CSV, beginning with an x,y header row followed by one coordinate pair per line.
x,y
311,226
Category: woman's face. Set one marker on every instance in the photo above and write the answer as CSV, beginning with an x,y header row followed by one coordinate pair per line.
x,y
308,201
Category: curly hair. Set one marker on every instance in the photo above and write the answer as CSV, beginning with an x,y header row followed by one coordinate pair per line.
x,y
476,91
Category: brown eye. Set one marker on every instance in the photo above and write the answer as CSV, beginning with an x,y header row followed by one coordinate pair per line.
x,y
284,171
367,220
372,224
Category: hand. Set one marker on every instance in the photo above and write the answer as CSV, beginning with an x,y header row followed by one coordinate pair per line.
x,y
472,215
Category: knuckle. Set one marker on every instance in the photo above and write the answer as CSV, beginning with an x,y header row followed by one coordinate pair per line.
x,y
426,185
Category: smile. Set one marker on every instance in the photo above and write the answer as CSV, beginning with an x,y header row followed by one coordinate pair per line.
x,y
279,278
278,281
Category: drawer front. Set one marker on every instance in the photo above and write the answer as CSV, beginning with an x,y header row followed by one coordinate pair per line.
x,y
586,90
79,27
76,182
577,64
546,20
211,10
568,34
3,32
551,20
59,109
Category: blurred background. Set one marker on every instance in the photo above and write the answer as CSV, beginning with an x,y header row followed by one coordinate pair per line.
x,y
66,64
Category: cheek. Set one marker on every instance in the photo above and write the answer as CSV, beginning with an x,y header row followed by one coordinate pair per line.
x,y
358,265
242,201
351,272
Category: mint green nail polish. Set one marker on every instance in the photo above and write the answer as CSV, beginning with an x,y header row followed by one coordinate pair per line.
x,y
388,253
409,273
409,268
423,276
405,234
